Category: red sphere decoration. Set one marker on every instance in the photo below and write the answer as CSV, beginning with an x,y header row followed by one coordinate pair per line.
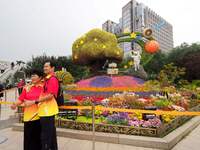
x,y
152,46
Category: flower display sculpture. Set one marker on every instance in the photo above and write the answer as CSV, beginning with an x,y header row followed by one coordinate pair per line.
x,y
95,48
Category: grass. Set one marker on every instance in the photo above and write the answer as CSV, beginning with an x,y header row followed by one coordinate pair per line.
x,y
87,120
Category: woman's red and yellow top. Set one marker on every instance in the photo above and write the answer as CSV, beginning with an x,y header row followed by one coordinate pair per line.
x,y
31,93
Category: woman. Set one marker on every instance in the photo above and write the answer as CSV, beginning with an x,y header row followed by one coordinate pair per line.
x,y
28,98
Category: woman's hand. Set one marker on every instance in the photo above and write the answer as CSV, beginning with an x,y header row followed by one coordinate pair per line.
x,y
16,104
13,106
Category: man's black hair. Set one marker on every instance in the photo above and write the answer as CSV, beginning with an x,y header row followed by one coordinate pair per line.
x,y
51,63
37,72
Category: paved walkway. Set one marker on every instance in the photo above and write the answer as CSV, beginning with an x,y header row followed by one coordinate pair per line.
x,y
15,142
5,111
190,142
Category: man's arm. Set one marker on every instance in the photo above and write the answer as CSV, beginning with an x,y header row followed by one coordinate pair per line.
x,y
52,90
46,97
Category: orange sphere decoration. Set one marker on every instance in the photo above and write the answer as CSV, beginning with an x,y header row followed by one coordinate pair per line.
x,y
152,46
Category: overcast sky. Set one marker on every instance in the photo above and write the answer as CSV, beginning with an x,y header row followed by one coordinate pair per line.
x,y
34,27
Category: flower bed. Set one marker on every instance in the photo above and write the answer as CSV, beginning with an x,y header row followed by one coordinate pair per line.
x,y
130,123
130,93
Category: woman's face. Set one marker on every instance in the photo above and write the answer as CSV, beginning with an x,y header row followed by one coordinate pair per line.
x,y
35,78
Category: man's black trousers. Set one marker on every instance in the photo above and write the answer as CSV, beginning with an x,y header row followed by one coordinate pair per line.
x,y
48,133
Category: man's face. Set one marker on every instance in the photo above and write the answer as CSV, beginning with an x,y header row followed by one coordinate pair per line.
x,y
47,68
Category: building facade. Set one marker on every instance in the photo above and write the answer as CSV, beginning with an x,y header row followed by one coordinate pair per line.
x,y
136,17
109,26
3,66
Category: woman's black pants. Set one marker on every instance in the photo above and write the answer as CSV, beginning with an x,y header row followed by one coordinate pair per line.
x,y
32,135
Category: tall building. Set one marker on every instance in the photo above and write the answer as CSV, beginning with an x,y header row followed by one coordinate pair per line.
x,y
136,16
112,27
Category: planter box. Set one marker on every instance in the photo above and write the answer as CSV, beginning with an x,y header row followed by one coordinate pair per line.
x,y
108,128
119,129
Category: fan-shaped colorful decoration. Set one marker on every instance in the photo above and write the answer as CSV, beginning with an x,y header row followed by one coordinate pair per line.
x,y
107,81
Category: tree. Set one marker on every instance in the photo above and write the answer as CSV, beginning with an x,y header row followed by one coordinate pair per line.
x,y
78,72
95,47
154,66
170,75
187,56
191,62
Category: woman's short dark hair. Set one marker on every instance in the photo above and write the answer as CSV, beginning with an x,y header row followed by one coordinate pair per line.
x,y
37,72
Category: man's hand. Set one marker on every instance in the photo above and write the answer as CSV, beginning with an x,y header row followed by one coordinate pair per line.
x,y
28,103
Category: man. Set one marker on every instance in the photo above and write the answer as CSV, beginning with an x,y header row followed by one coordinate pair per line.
x,y
48,108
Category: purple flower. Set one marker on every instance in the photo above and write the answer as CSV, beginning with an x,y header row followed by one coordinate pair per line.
x,y
139,81
146,124
105,113
101,81
135,123
151,123
155,123
118,118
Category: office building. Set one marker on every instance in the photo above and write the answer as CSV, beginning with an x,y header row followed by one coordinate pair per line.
x,y
136,17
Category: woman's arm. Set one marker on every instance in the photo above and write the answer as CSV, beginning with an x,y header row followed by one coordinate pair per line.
x,y
16,104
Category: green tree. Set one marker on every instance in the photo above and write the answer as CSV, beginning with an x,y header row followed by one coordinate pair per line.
x,y
170,75
77,71
187,56
154,66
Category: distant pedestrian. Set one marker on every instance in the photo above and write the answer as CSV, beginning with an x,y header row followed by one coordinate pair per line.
x,y
12,65
20,86
1,91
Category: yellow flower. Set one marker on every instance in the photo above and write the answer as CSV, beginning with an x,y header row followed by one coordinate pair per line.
x,y
95,39
130,63
167,119
104,46
81,42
